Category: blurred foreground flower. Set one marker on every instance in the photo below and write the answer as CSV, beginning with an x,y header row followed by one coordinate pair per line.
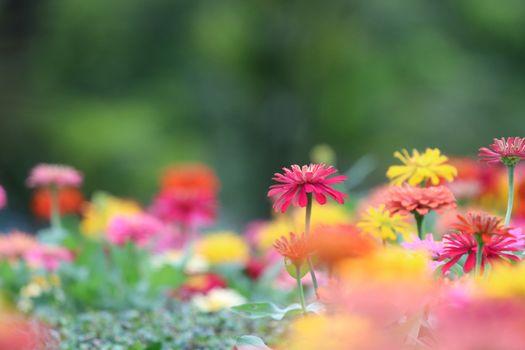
x,y
421,168
297,182
18,333
335,243
223,247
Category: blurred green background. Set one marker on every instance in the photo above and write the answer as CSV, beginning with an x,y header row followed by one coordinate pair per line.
x,y
122,88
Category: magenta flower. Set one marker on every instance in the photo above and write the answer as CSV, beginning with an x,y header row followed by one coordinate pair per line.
x,y
498,248
3,198
45,175
191,209
297,182
139,229
507,151
47,256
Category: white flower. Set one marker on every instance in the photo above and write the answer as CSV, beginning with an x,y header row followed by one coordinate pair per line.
x,y
194,265
217,299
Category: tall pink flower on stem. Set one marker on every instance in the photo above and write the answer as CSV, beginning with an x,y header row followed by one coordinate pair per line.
x,y
54,177
510,152
297,182
296,186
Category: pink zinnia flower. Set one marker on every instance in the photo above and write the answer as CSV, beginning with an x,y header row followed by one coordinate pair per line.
x,y
407,199
15,245
3,198
480,324
508,151
428,245
45,175
47,256
297,182
191,209
498,248
139,229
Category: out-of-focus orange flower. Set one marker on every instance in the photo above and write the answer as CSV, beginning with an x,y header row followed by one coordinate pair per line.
x,y
333,243
296,248
481,224
18,333
190,177
70,202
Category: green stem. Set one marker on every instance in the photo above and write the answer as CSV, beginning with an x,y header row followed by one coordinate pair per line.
x,y
55,209
479,255
508,215
419,223
300,287
308,219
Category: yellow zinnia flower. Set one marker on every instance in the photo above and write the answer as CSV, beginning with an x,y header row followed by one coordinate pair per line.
x,y
223,247
504,281
421,167
101,210
380,223
335,332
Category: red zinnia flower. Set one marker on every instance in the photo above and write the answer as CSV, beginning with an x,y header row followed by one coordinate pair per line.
x,y
455,245
296,248
407,199
509,151
297,182
481,224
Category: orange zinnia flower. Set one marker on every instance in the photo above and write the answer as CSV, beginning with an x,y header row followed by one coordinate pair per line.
x,y
70,201
297,248
481,224
333,243
190,177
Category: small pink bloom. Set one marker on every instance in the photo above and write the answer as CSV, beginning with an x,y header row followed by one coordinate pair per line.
x,y
428,245
408,199
508,151
45,175
139,229
3,198
47,256
297,182
191,209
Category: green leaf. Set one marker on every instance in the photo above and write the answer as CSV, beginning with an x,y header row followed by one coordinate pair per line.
x,y
262,310
251,341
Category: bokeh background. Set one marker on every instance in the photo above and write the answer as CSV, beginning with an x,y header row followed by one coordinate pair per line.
x,y
120,89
